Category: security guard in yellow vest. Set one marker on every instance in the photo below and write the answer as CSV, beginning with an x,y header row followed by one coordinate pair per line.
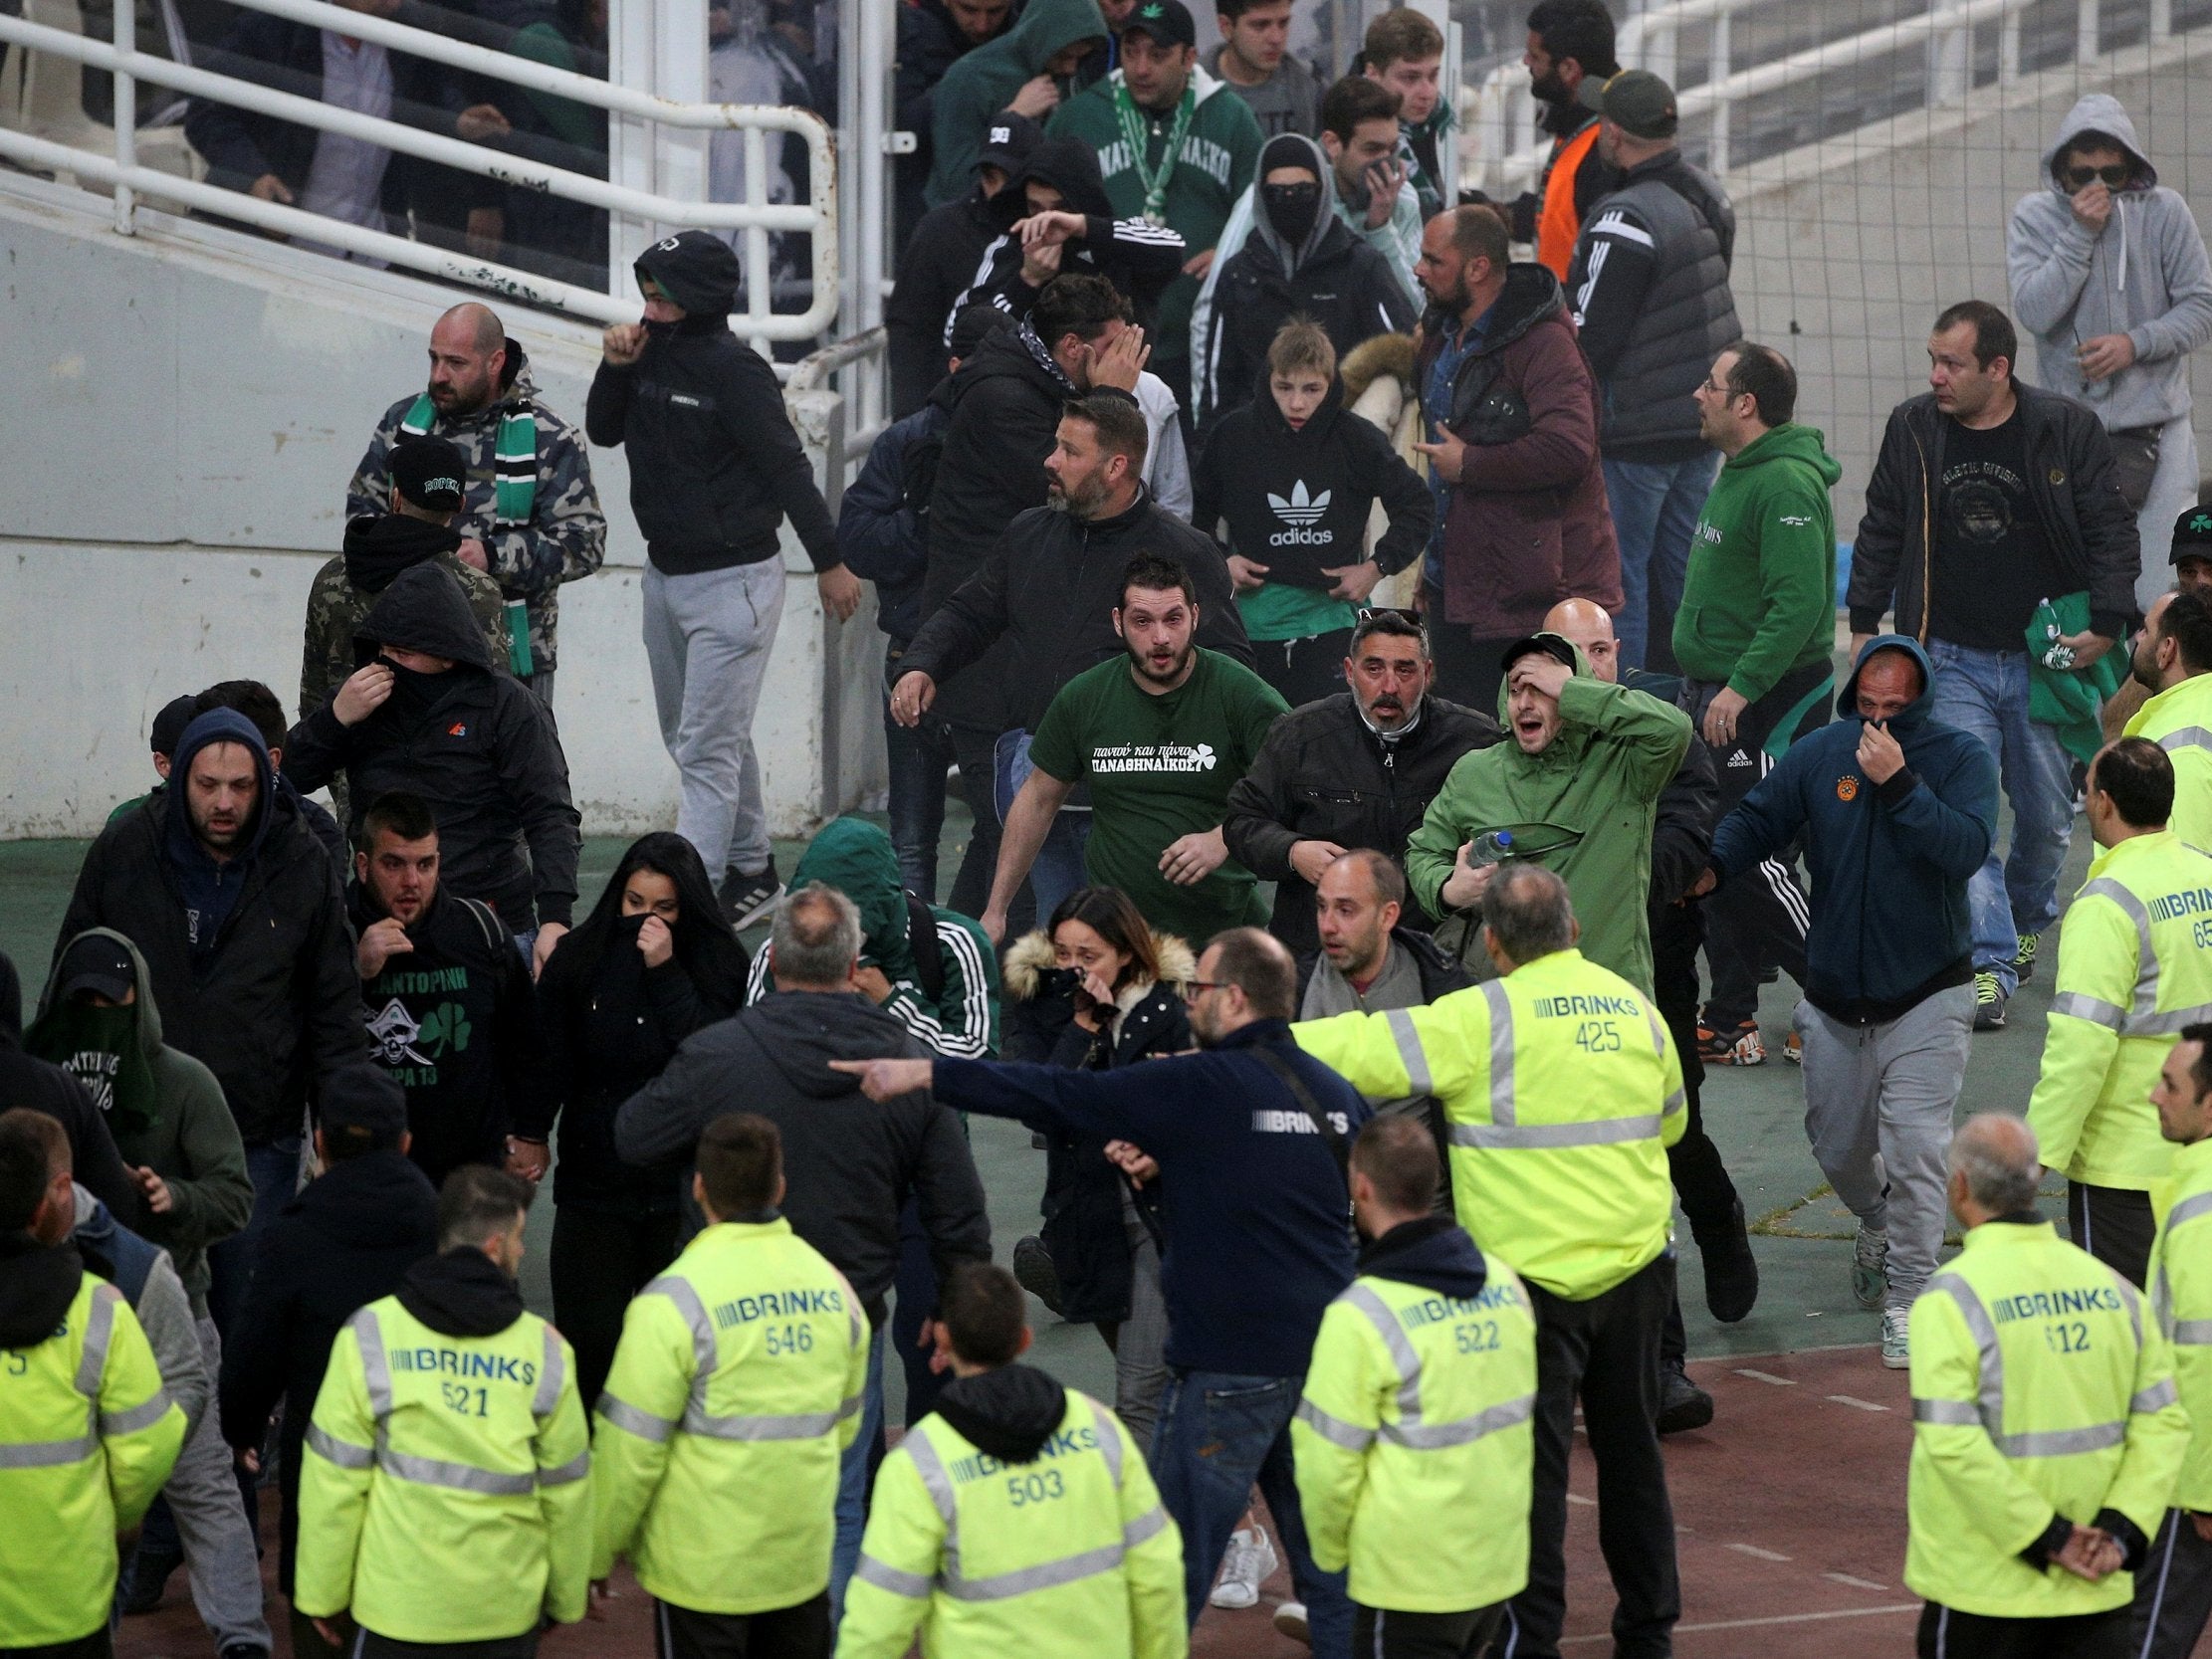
x,y
2173,1591
740,1374
445,1491
2134,967
1562,1092
2173,658
87,1435
2046,1429
1018,1519
1412,1441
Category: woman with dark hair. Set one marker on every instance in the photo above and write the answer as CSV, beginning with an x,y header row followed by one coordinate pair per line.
x,y
1099,988
651,965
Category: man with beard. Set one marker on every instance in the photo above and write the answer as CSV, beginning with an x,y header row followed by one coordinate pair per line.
x,y
1159,737
1051,589
1569,41
2173,663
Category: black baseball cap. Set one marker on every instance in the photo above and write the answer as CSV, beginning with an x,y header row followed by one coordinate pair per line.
x,y
1168,22
367,1098
1636,101
1009,141
170,723
2192,535
431,472
1549,645
96,962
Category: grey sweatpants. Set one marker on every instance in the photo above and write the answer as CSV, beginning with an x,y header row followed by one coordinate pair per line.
x,y
211,1524
1877,1110
707,643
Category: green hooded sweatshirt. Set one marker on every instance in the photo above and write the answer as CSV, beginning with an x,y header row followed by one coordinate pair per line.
x,y
1582,808
1760,596
961,1021
1220,156
164,1109
984,82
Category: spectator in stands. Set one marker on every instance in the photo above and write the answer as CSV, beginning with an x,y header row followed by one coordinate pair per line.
x,y
652,963
883,537
1756,637
940,260
2192,550
390,726
1294,475
1403,50
1889,1005
1176,148
1254,61
27,1081
1355,770
1649,288
2172,661
933,36
168,726
259,704
2110,274
234,907
850,1164
1512,414
545,232
1097,987
2023,509
1052,590
529,518
1569,41
715,470
1300,262
348,1238
1029,70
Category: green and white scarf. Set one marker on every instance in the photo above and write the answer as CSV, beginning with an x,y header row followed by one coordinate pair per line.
x,y
1136,126
514,494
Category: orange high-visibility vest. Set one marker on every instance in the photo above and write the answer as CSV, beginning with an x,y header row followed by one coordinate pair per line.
x,y
1559,224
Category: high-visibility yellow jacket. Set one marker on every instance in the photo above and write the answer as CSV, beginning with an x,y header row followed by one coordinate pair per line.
x,y
2134,967
2039,1389
1413,1444
1563,1092
736,1385
2179,721
445,1488
2182,1301
1069,1553
86,1437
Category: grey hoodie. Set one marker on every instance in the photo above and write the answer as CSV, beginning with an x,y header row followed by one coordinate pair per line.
x,y
2145,276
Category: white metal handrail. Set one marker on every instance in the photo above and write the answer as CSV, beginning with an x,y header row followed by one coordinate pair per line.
x,y
129,180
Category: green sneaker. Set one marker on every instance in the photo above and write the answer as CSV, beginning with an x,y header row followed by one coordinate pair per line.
x,y
1869,1268
2024,959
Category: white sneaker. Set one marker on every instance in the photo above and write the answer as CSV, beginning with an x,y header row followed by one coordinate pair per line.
x,y
1249,1558
1290,1621
1896,1350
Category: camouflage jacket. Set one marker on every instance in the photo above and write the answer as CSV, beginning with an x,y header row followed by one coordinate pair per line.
x,y
566,539
335,608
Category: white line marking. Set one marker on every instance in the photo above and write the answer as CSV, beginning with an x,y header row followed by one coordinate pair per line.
x,y
1752,1550
1766,1376
1578,1497
1860,1404
1753,1624
1855,1584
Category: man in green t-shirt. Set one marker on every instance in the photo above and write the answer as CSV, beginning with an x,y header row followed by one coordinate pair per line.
x,y
1159,735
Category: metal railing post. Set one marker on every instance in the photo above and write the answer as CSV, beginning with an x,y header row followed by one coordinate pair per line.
x,y
125,118
1717,157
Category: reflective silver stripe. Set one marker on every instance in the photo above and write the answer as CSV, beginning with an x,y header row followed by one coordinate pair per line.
x,y
576,1469
1659,1032
2170,1023
1501,1050
1109,1439
2135,1299
1334,1429
1410,1052
853,1320
2147,959
138,1417
1679,1101
2095,1009
806,1426
642,1423
2196,1204
47,1454
1400,1347
550,1378
375,1369
100,1330
2064,1442
939,1485
2186,736
1961,1413
458,1477
2157,1398
911,1585
2192,1332
343,1453
694,1311
1602,1132
1460,1431
1068,1569
1147,1524
1984,1332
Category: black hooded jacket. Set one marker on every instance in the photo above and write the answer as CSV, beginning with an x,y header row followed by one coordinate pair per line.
x,y
1007,1414
1434,1253
715,466
346,1239
38,1282
850,1160
476,745
378,545
461,1293
1050,589
268,999
942,257
27,1081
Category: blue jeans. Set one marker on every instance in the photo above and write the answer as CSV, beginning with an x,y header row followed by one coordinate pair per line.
x,y
1059,869
1986,693
1218,1434
852,1479
274,1169
1655,512
918,757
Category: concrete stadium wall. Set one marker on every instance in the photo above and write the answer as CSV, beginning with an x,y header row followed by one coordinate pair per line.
x,y
181,419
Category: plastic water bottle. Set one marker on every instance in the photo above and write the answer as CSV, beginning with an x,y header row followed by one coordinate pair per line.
x,y
1493,848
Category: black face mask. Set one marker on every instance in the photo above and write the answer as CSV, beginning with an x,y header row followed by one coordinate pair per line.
x,y
1292,209
412,690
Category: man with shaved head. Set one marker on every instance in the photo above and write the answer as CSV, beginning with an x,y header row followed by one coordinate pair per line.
x,y
529,518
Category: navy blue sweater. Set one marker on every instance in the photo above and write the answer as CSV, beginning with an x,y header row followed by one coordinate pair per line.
x,y
1259,1236
880,535
1889,862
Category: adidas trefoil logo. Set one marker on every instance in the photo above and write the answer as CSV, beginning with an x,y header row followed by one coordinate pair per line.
x,y
1301,511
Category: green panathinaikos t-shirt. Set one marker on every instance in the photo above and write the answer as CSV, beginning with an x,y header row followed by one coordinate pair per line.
x,y
1160,768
